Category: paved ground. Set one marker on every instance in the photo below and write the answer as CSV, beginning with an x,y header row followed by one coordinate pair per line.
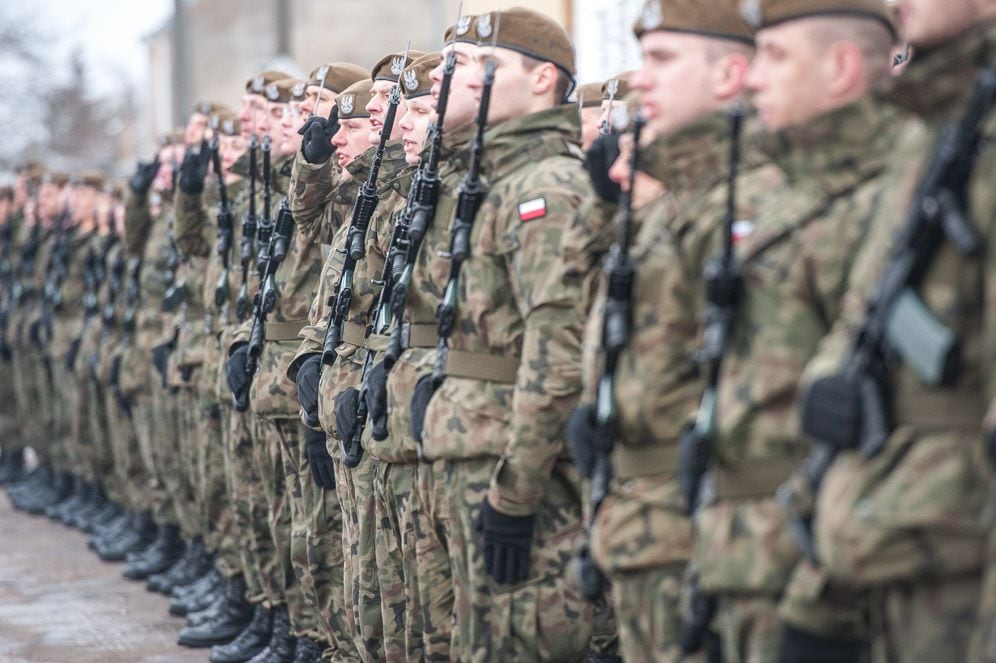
x,y
60,603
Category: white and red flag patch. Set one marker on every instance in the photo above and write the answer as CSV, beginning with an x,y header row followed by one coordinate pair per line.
x,y
532,209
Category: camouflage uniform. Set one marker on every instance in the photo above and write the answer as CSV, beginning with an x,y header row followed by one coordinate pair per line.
x,y
355,487
795,256
500,436
146,238
641,538
910,524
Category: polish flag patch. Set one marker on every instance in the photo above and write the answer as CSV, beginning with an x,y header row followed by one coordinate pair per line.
x,y
742,229
532,209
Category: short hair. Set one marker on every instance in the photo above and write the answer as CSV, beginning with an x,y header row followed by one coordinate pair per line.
x,y
717,49
871,37
564,83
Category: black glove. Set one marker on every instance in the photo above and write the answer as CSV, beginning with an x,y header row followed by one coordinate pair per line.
x,y
145,173
322,470
345,413
581,428
72,353
831,411
601,155
236,373
194,169
307,388
377,401
160,357
797,646
506,540
420,401
316,145
695,625
693,461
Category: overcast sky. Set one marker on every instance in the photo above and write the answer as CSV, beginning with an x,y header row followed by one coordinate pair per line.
x,y
109,32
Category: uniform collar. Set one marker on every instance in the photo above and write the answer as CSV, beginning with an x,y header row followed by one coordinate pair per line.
x,y
510,145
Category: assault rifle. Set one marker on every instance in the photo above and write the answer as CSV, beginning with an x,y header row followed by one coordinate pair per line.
x,y
223,247
249,221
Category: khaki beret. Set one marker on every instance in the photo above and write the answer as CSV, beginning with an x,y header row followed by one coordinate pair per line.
x,y
175,137
415,81
621,85
30,169
336,76
352,101
590,95
519,29
6,192
390,66
91,178
257,84
226,122
765,13
51,177
285,90
711,18
206,108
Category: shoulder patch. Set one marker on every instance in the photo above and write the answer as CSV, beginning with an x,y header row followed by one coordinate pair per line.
x,y
532,209
742,229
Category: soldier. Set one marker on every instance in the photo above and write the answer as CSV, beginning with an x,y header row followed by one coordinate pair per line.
x,y
12,216
642,538
590,111
907,520
830,138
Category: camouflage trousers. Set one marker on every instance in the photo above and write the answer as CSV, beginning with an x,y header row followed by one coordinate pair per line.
x,y
300,604
102,460
268,495
543,619
11,439
647,609
924,621
983,644
214,511
31,406
149,436
250,526
64,453
128,465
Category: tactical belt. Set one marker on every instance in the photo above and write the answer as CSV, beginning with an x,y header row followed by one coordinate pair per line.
x,y
632,462
284,331
354,334
941,410
418,335
481,366
754,480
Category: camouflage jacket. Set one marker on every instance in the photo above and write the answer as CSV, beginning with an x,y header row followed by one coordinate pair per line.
x,y
796,260
517,299
146,239
313,192
69,316
919,506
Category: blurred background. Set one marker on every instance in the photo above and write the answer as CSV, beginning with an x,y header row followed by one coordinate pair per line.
x,y
92,84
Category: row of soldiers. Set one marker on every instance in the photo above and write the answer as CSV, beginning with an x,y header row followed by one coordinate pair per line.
x,y
424,362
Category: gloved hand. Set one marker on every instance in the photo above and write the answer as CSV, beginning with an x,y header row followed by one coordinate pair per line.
x,y
72,353
695,624
316,145
307,389
345,413
377,401
236,372
319,459
506,541
797,646
693,462
601,155
193,170
831,411
581,428
160,358
420,402
145,173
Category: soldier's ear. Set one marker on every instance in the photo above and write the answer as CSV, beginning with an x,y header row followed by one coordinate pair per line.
x,y
845,68
544,78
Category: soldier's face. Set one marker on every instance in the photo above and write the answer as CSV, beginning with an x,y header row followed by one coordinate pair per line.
x,y
20,191
293,119
164,177
675,80
461,109
414,125
49,202
377,107
317,97
253,115
197,125
787,76
119,217
590,121
83,203
927,23
515,92
230,148
352,139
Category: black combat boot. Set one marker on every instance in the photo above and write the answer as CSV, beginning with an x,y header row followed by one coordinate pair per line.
x,y
53,489
138,534
156,580
77,494
36,480
195,563
72,512
107,513
84,518
110,530
163,554
11,466
199,596
308,651
233,614
252,640
280,649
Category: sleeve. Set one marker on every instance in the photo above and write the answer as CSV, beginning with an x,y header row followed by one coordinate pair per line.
x,y
312,191
138,224
193,236
548,293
